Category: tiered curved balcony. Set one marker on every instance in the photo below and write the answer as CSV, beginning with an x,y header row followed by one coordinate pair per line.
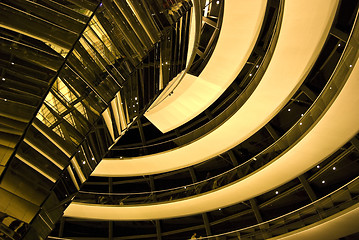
x,y
147,211
276,154
99,93
270,148
283,209
149,141
258,112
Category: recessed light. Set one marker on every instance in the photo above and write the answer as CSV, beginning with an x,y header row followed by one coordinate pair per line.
x,y
323,181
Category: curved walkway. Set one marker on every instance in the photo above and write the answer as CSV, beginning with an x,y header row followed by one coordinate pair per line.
x,y
300,41
194,94
339,225
335,130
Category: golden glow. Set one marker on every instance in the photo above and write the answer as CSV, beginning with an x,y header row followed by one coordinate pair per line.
x,y
300,41
279,171
194,95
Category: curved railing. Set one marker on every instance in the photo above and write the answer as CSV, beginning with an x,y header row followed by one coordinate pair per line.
x,y
343,197
222,110
268,155
308,214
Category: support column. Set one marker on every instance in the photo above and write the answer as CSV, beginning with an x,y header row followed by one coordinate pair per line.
x,y
206,224
310,94
233,158
110,230
152,186
193,174
264,227
158,230
272,131
311,194
307,188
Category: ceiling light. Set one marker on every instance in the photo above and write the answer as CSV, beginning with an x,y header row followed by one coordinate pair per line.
x,y
276,192
302,114
12,63
93,158
339,45
217,2
250,74
350,65
334,168
318,166
300,123
3,79
323,181
83,162
288,109
257,66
